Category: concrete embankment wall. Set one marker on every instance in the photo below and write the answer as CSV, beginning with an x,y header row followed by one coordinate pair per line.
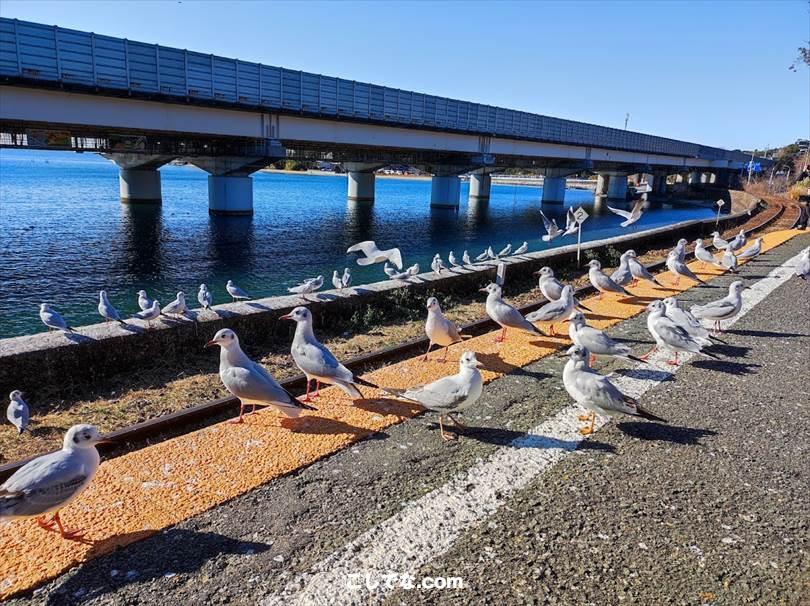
x,y
101,350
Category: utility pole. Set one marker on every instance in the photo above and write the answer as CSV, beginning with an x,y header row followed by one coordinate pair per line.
x,y
626,120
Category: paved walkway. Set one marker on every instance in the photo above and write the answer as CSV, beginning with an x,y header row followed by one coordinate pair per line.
x,y
543,538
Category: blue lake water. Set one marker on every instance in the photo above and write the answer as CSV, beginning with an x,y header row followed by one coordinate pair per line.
x,y
64,235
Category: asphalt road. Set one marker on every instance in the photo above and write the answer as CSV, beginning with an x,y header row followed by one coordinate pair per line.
x,y
709,509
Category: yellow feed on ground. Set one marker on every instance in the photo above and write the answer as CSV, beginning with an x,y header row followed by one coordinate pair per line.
x,y
143,492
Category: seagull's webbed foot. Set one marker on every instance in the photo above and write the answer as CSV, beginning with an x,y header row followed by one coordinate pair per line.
x,y
585,431
46,524
457,423
447,437
585,417
649,353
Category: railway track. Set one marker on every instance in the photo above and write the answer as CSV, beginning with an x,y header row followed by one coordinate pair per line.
x,y
142,434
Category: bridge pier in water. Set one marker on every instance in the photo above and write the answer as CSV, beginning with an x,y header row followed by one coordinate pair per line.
x,y
553,190
445,191
361,180
230,186
139,177
480,187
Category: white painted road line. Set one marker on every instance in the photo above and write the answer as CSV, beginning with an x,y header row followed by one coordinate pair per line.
x,y
427,527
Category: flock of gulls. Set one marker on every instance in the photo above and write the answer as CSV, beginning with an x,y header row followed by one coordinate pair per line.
x,y
43,486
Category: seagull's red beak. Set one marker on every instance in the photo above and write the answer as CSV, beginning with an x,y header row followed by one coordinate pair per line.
x,y
285,317
211,343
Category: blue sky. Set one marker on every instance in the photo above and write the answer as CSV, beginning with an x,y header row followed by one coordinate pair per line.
x,y
711,72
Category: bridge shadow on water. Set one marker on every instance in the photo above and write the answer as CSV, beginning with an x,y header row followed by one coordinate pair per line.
x,y
162,555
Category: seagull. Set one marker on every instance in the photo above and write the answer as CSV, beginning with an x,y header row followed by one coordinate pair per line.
x,y
249,381
149,314
413,270
722,309
17,412
752,251
176,307
316,361
551,287
346,279
803,266
204,296
552,231
505,315
522,249
144,302
400,275
336,281
451,258
107,311
703,255
235,292
729,260
491,255
602,281
483,256
595,393
555,311
738,242
717,241
623,276
48,483
439,330
680,249
669,335
638,270
571,225
505,251
373,255
465,258
449,395
679,269
437,265
595,341
684,319
389,271
630,217
52,319
307,286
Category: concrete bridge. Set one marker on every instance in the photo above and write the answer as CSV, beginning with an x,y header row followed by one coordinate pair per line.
x,y
143,105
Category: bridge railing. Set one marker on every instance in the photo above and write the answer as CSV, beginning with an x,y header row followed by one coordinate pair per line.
x,y
71,58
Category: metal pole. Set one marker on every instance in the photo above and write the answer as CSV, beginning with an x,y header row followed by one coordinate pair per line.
x,y
750,168
579,242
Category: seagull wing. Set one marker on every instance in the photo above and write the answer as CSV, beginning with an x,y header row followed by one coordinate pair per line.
x,y
446,394
599,391
42,484
638,209
396,257
620,212
715,309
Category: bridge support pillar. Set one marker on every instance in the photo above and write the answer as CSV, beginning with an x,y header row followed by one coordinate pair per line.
x,y
139,186
480,187
553,190
230,195
694,178
602,181
660,184
361,180
712,178
444,191
617,188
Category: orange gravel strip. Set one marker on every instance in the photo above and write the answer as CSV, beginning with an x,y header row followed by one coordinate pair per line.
x,y
143,492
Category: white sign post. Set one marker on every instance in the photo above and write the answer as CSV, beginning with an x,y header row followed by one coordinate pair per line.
x,y
580,215
719,206
500,277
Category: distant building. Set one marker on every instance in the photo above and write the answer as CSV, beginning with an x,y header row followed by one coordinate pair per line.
x,y
803,144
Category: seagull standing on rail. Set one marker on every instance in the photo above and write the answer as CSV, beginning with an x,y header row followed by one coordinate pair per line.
x,y
316,361
631,216
449,395
177,307
308,286
465,258
236,292
555,311
50,482
439,330
595,393
552,288
149,314
437,265
505,315
505,251
679,269
601,281
638,270
336,281
249,381
106,310
483,256
522,249
52,319
346,278
372,254
722,309
204,297
451,258
17,412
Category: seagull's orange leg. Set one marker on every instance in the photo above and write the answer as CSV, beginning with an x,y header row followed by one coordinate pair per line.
x,y
552,333
444,358
649,353
317,393
430,345
71,535
591,360
241,418
457,423
447,437
306,397
674,361
44,523
502,336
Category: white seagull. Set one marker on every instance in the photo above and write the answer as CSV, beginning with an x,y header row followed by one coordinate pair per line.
x,y
669,335
106,310
738,242
177,307
449,395
522,249
752,251
631,216
638,270
505,251
413,270
623,276
703,255
601,281
52,319
595,393
722,309
680,248
236,292
204,297
717,241
552,231
316,361
684,319
571,225
346,279
149,314
552,288
372,254
679,269
307,286
48,483
729,260
336,281
803,266
505,315
437,265
465,258
596,341
555,311
451,258
439,330
483,256
17,412
144,302
249,381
